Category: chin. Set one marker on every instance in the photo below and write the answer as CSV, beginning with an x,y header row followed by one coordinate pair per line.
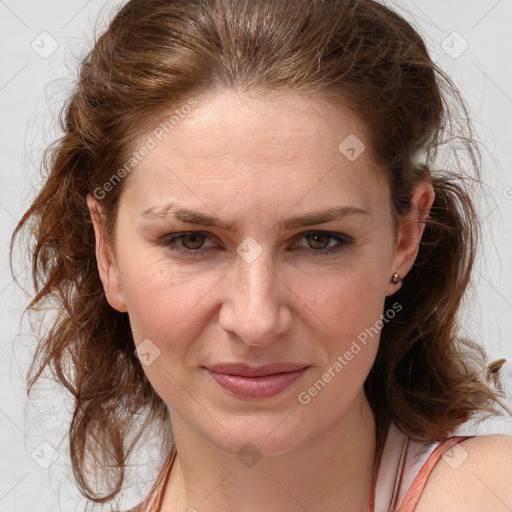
x,y
260,438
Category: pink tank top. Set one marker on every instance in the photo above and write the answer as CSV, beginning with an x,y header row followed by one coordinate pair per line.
x,y
400,473
404,469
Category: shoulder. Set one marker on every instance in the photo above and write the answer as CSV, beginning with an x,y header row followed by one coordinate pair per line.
x,y
474,475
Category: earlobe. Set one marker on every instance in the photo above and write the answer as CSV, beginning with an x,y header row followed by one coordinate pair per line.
x,y
412,226
105,259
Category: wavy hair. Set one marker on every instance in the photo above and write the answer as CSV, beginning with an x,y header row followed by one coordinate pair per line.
x,y
156,55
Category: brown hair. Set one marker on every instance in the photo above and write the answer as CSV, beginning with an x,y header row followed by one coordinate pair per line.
x,y
156,55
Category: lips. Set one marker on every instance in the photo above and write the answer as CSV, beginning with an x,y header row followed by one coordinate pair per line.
x,y
246,382
244,370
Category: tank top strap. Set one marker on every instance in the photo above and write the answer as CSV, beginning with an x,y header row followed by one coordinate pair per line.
x,y
390,468
153,502
415,490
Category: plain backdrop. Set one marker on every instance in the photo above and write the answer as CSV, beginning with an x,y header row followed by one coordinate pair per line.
x,y
41,45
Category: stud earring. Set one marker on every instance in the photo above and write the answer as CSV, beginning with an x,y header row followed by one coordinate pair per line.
x,y
395,279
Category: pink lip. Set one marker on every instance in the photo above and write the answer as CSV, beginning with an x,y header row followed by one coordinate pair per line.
x,y
262,382
244,370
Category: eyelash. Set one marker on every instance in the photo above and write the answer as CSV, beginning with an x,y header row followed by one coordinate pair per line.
x,y
343,242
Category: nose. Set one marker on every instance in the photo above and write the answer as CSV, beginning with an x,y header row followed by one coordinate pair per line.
x,y
256,304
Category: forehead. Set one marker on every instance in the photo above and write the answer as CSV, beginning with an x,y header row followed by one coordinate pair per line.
x,y
283,143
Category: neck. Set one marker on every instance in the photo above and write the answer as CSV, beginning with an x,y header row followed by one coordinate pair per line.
x,y
330,472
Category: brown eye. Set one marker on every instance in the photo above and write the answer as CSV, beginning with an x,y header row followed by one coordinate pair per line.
x,y
187,244
193,240
318,240
319,243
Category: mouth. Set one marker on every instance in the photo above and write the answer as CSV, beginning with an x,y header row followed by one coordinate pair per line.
x,y
243,370
262,382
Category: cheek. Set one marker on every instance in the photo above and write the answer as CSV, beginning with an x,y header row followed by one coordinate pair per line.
x,y
345,315
348,299
168,304
166,307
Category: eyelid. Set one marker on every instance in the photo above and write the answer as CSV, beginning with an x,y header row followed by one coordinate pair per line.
x,y
333,234
181,234
343,242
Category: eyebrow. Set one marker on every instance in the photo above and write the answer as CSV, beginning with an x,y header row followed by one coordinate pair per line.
x,y
308,219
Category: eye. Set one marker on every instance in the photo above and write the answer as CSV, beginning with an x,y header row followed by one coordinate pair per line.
x,y
192,243
319,242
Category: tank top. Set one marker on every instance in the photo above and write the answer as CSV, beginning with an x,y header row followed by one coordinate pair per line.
x,y
400,473
402,470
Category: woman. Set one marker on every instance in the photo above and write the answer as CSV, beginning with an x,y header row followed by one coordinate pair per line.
x,y
247,236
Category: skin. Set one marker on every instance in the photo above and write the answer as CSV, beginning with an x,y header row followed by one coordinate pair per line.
x,y
254,162
480,483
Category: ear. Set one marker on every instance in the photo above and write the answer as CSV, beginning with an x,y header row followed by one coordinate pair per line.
x,y
106,260
412,225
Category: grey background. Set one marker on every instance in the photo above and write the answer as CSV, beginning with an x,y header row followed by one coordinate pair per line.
x,y
40,46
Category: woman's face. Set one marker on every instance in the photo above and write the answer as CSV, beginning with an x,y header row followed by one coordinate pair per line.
x,y
272,280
